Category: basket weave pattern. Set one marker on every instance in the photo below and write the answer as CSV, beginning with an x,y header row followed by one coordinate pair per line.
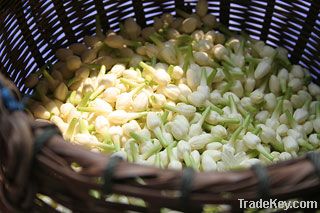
x,y
31,31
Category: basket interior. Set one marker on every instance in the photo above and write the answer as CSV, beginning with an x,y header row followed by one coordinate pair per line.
x,y
31,31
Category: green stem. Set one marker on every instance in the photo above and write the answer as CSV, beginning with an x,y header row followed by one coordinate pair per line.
x,y
212,76
305,144
290,118
186,158
140,139
232,105
152,151
85,100
230,120
83,126
131,83
117,143
71,129
164,117
96,93
90,109
157,131
215,108
134,151
264,152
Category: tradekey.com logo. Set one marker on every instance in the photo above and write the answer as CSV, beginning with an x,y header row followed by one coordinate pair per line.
x,y
277,204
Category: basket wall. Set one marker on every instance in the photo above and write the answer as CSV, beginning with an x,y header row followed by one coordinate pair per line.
x,y
31,31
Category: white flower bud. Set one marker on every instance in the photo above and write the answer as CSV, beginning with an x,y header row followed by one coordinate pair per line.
x,y
314,140
200,141
284,156
249,85
214,154
216,97
171,91
214,146
219,131
177,72
270,101
314,89
296,101
316,125
193,76
111,94
256,96
141,102
274,84
282,130
296,84
183,147
101,124
300,115
124,101
287,106
263,68
219,76
290,144
237,89
262,116
219,51
197,98
207,163
308,127
174,164
297,71
132,126
179,127
202,58
189,25
118,69
251,140
283,119
250,162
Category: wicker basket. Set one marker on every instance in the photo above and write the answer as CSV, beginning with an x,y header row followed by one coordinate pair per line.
x,y
34,158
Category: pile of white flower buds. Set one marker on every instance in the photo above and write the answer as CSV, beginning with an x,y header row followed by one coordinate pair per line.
x,y
180,93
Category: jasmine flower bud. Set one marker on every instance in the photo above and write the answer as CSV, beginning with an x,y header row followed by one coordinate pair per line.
x,y
297,71
284,156
179,127
314,89
214,146
274,85
249,85
131,126
263,68
314,140
262,116
101,124
207,163
282,130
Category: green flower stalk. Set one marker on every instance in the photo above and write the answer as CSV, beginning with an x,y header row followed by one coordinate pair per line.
x,y
181,108
252,141
244,126
71,129
196,129
154,123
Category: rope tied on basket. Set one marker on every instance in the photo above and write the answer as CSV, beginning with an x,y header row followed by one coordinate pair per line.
x,y
10,102
263,181
41,139
109,172
186,187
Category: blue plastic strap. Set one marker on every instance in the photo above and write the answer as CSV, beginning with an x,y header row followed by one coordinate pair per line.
x,y
10,102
